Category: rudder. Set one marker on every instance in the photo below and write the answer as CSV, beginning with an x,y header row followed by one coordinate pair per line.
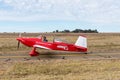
x,y
81,41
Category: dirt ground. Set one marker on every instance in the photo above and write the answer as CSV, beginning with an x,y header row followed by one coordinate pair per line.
x,y
66,56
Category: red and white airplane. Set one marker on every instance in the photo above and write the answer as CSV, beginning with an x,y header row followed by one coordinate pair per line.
x,y
79,46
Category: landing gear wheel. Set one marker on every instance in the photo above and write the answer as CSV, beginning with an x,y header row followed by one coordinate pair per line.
x,y
85,53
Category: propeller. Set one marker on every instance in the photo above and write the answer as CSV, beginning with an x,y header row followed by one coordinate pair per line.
x,y
18,45
20,35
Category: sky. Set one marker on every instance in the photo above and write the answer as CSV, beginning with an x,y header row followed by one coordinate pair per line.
x,y
50,15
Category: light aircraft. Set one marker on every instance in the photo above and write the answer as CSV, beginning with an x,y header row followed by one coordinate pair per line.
x,y
79,46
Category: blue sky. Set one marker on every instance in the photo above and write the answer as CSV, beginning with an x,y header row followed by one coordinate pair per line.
x,y
50,15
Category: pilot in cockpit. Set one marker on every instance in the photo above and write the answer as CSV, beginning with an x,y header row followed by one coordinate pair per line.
x,y
45,39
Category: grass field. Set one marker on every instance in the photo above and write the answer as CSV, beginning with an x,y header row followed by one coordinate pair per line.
x,y
101,69
64,70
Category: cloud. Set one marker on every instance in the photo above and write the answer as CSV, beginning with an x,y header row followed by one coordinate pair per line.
x,y
96,11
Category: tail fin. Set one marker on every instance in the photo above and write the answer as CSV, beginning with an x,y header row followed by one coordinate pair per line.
x,y
81,41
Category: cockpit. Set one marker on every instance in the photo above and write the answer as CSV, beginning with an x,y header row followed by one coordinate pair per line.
x,y
60,40
57,40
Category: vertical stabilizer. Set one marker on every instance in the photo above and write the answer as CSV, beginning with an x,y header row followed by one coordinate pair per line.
x,y
81,41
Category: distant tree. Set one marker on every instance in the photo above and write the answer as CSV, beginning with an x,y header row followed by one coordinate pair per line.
x,y
77,31
84,31
96,31
53,31
57,31
66,31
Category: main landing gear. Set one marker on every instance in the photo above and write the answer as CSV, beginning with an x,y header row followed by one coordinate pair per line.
x,y
34,52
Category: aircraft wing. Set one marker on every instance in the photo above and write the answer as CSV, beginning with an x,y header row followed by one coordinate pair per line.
x,y
43,47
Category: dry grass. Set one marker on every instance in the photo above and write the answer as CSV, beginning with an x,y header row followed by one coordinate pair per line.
x,y
64,70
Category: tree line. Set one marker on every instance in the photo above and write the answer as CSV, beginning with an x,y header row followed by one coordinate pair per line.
x,y
77,31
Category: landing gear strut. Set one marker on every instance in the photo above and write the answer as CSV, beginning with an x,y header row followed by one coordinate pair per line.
x,y
34,52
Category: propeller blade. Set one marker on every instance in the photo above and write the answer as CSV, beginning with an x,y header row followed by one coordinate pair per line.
x,y
18,45
20,35
19,41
